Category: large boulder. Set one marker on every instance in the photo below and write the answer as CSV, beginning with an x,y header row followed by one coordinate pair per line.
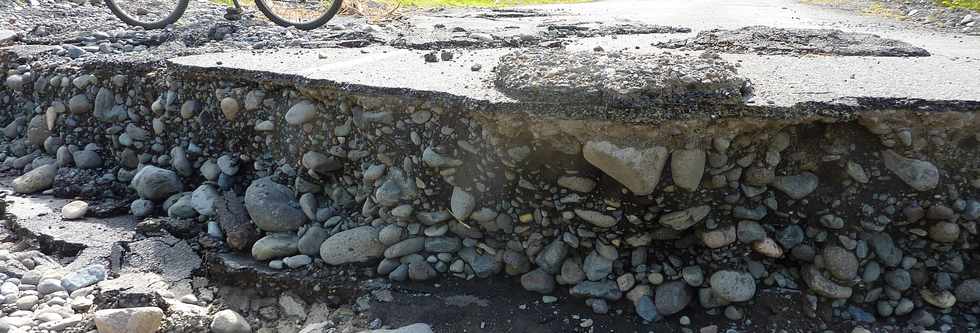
x,y
153,183
355,245
687,168
272,206
37,131
637,169
733,286
39,179
275,245
202,199
131,320
672,297
229,321
918,174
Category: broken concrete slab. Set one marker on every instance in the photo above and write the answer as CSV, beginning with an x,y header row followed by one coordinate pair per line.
x,y
88,240
763,40
173,259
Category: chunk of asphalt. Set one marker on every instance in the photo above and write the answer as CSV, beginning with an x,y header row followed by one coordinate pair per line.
x,y
765,40
618,79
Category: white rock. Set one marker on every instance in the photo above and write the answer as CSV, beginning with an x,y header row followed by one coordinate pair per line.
x,y
301,113
74,210
130,320
637,169
228,321
230,107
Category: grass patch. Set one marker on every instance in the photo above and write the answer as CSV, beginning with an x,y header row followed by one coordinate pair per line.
x,y
967,4
478,3
878,9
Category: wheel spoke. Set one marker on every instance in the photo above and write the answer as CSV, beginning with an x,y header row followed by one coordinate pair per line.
x,y
147,11
299,11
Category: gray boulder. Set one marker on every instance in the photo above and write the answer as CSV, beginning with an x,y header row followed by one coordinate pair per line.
x,y
672,297
39,179
360,244
733,286
272,206
153,183
275,245
918,174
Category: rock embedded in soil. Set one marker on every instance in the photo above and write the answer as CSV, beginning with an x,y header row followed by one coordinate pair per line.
x,y
884,247
596,218
539,281
153,183
918,174
687,168
944,232
230,108
824,286
841,263
968,291
275,245
351,246
461,203
301,113
672,297
638,169
605,289
682,220
733,286
272,206
312,239
796,186
578,184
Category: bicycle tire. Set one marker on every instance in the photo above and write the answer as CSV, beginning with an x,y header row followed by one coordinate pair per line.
x,y
125,17
329,14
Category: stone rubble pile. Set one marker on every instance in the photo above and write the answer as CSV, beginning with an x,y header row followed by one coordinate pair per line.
x,y
873,218
38,294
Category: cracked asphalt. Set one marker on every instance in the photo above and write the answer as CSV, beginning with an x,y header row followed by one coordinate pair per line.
x,y
950,73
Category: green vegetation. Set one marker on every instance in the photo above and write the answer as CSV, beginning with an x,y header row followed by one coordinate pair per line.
x,y
968,4
478,3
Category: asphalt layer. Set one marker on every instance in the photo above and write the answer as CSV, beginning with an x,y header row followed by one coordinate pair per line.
x,y
87,240
951,73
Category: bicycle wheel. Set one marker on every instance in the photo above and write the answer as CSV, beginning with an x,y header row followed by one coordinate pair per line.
x,y
149,14
302,14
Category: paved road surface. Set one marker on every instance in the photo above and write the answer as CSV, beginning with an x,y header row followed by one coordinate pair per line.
x,y
951,73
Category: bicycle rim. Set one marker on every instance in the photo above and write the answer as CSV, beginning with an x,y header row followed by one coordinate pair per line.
x,y
148,13
303,14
